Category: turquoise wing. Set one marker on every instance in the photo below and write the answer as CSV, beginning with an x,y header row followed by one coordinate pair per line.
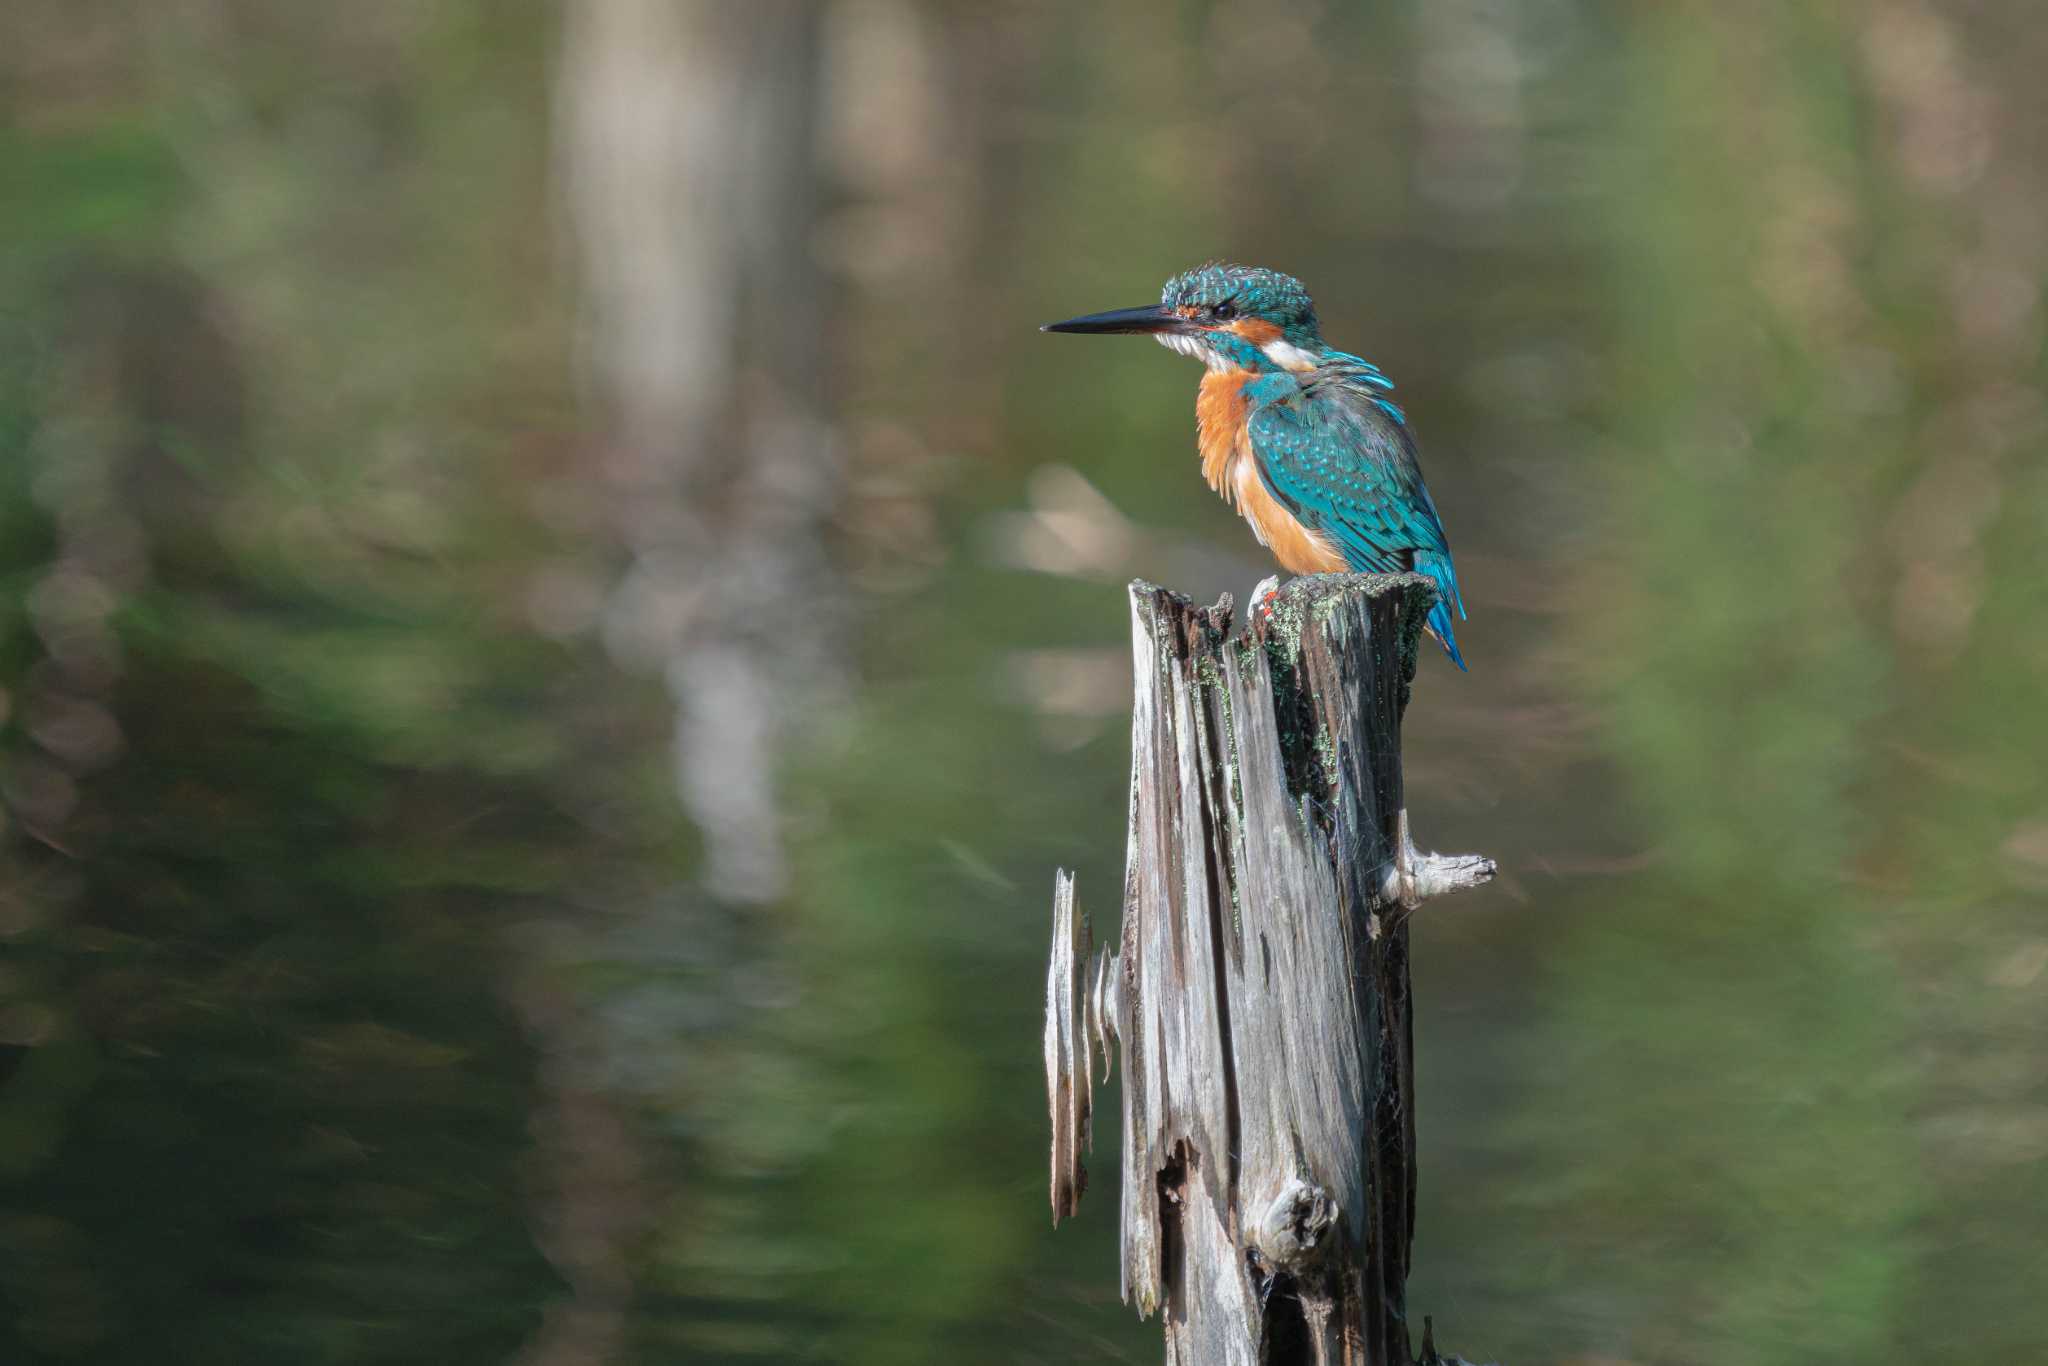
x,y
1338,455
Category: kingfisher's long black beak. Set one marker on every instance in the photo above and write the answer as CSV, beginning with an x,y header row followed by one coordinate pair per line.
x,y
1151,318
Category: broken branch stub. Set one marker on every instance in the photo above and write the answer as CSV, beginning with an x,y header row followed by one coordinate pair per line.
x,y
1259,991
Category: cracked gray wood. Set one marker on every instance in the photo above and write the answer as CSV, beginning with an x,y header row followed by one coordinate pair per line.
x,y
1259,989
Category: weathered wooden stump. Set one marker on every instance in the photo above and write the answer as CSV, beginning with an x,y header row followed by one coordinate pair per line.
x,y
1259,990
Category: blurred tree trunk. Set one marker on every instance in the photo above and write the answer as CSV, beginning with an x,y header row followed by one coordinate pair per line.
x,y
688,155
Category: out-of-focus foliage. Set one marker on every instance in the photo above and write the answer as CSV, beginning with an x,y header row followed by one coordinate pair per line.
x,y
358,999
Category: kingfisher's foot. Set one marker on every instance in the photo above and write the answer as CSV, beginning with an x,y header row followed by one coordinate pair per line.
x,y
1263,597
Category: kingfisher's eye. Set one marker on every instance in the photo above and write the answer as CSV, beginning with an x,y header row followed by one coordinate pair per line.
x,y
1224,312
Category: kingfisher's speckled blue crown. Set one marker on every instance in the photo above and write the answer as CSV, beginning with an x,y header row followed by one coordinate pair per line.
x,y
1247,292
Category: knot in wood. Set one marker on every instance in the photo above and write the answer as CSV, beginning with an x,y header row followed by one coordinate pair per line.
x,y
1292,1228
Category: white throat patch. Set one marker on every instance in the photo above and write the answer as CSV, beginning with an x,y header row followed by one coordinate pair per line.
x,y
1192,348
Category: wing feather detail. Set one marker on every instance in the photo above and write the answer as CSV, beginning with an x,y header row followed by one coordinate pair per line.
x,y
1329,450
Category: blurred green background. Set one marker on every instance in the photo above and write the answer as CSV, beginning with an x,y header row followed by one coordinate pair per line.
x,y
559,616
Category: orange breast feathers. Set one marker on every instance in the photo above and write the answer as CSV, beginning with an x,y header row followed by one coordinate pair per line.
x,y
1221,412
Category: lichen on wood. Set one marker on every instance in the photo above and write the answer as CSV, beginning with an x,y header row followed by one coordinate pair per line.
x,y
1259,989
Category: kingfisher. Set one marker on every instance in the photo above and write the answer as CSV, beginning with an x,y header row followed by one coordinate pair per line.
x,y
1302,439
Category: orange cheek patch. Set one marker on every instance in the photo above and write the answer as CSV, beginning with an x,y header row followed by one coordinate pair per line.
x,y
1257,331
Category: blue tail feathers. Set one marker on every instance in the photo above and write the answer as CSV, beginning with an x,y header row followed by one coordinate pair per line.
x,y
1438,567
1440,627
